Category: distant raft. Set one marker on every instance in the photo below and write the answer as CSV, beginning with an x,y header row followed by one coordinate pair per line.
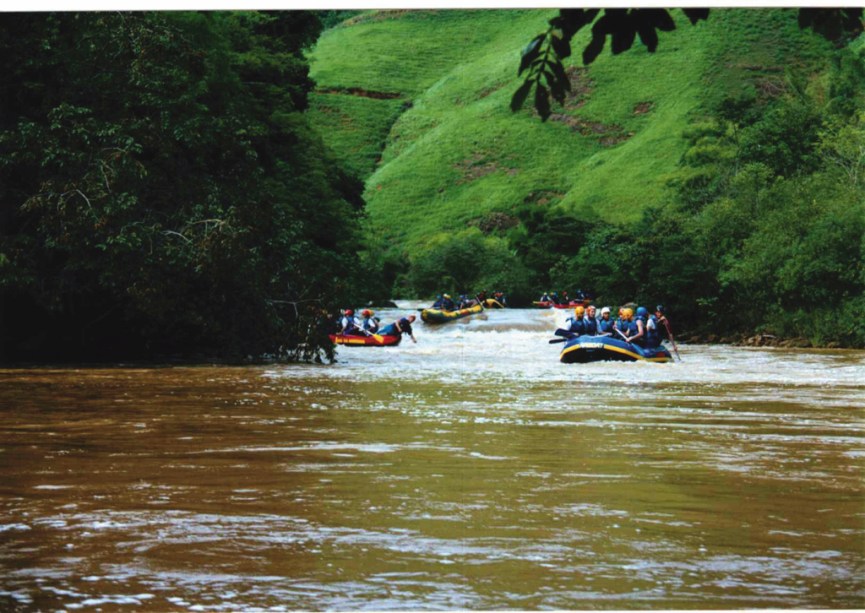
x,y
362,340
549,304
584,349
437,316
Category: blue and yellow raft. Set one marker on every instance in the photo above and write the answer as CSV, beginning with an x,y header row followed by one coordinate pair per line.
x,y
582,349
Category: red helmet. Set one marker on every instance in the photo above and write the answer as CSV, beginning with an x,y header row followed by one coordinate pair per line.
x,y
366,313
349,312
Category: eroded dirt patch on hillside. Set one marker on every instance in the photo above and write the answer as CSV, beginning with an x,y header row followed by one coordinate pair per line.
x,y
544,197
478,165
607,134
382,15
494,221
582,86
363,93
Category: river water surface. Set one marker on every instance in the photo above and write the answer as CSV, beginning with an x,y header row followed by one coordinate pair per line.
x,y
471,470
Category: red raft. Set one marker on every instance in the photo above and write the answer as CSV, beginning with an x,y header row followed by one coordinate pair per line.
x,y
362,340
548,304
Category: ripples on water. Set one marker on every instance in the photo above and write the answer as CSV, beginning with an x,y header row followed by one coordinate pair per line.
x,y
471,470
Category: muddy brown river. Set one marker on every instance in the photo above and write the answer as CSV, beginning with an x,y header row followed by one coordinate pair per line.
x,y
469,471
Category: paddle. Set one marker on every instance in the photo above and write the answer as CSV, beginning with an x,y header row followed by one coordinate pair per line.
x,y
553,341
670,334
377,337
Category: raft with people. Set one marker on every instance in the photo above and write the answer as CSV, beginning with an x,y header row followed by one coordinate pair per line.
x,y
440,316
585,348
548,304
634,336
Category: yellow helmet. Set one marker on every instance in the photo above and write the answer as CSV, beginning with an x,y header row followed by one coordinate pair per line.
x,y
627,313
578,311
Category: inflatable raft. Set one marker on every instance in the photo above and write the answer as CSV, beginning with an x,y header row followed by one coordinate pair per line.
x,y
492,303
437,316
362,340
582,349
546,304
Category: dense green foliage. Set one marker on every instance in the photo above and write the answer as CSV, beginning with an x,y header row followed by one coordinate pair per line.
x,y
767,233
457,154
194,183
719,175
161,191
543,58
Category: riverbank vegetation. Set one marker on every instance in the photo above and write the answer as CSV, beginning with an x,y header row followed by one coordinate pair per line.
x,y
162,191
719,175
210,184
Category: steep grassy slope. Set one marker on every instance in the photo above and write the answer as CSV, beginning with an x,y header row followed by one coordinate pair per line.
x,y
417,104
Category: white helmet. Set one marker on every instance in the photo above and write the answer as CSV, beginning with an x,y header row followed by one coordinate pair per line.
x,y
605,310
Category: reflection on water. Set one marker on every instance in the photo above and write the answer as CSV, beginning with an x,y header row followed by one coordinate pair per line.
x,y
471,470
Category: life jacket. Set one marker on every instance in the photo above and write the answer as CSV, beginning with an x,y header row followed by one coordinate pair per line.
x,y
369,324
634,329
652,334
605,325
578,326
590,324
348,325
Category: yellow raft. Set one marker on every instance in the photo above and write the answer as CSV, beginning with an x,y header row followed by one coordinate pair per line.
x,y
437,316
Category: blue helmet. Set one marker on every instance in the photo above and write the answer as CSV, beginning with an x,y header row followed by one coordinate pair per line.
x,y
660,309
642,312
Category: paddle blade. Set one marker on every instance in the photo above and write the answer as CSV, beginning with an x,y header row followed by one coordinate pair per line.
x,y
558,340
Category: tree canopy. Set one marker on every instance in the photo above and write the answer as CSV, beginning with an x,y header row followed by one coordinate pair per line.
x,y
161,191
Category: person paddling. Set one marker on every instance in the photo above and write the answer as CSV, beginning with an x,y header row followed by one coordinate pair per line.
x,y
590,322
661,320
620,326
400,326
446,304
637,331
577,325
605,324
348,323
368,324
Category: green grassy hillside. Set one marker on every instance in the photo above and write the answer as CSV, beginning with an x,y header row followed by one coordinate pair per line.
x,y
416,103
